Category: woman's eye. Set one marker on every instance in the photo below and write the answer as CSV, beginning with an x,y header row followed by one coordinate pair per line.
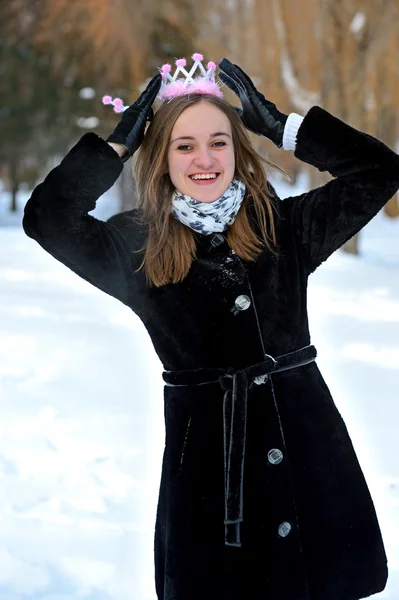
x,y
187,147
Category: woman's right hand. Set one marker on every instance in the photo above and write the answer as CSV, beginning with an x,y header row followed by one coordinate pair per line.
x,y
130,129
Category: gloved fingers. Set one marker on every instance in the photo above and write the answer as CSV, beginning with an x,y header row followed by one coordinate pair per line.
x,y
136,134
226,66
250,116
152,90
233,84
229,82
150,93
245,78
237,74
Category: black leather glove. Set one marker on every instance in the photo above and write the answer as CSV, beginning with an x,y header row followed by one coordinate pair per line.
x,y
258,114
130,129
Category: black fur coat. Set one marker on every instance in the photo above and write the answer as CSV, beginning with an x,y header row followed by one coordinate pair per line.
x,y
299,522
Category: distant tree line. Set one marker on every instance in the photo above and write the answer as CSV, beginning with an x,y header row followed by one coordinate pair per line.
x,y
340,54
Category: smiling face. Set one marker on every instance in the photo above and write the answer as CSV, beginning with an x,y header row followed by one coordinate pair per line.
x,y
201,153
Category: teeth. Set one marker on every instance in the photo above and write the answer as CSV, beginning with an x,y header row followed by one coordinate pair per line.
x,y
207,176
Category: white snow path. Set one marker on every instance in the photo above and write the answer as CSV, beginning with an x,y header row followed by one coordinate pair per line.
x,y
81,427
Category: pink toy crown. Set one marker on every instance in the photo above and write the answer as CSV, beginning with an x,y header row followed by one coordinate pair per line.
x,y
175,85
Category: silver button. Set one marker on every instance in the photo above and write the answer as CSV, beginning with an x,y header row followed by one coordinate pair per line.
x,y
242,302
261,379
275,456
284,529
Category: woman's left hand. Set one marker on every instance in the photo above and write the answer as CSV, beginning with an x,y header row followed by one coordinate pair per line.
x,y
258,114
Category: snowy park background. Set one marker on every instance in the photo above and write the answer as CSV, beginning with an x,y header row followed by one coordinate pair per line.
x,y
81,412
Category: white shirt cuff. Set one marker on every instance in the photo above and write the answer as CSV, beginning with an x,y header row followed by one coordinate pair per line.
x,y
292,125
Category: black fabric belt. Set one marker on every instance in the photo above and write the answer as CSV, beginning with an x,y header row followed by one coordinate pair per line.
x,y
236,384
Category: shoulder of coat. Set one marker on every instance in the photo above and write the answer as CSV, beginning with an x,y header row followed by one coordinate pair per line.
x,y
275,199
130,224
128,218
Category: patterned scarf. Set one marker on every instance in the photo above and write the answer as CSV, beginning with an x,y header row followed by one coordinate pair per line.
x,y
209,217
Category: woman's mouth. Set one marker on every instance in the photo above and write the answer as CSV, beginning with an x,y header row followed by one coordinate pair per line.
x,y
204,178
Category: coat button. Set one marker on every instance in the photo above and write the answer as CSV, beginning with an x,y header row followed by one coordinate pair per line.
x,y
261,379
284,529
217,239
275,456
242,302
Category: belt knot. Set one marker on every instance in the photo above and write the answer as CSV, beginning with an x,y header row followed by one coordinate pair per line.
x,y
228,379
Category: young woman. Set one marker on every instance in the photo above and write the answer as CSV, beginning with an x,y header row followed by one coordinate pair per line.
x,y
261,494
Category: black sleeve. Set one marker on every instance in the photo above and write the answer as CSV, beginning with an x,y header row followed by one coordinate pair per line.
x,y
367,176
56,216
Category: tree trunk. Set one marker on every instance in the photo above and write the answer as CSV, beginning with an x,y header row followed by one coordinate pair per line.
x,y
14,184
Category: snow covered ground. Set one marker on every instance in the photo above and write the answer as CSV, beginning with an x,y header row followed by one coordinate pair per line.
x,y
81,413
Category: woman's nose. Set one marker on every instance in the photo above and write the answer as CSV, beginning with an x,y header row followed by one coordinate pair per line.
x,y
204,158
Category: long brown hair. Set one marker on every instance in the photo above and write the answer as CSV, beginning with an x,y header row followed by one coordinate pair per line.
x,y
171,246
